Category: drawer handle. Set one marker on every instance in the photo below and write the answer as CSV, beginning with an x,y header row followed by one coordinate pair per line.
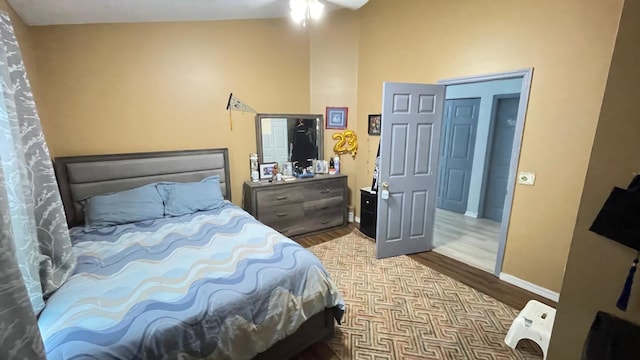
x,y
325,191
282,197
326,222
367,202
281,214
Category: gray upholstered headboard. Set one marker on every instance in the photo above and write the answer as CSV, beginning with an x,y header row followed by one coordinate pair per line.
x,y
81,177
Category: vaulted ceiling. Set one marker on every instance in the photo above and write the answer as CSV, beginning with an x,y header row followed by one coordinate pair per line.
x,y
57,12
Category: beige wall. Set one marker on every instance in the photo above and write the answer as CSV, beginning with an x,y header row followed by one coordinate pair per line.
x,y
334,82
144,87
164,86
569,45
597,267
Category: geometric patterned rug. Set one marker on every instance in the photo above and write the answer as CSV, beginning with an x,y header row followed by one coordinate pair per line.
x,y
397,308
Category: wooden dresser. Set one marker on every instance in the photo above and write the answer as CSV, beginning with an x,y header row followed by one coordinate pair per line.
x,y
300,206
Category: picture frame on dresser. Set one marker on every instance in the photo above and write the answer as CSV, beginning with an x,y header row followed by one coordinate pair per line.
x,y
266,170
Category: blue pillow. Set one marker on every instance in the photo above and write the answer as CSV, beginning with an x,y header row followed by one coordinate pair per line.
x,y
142,203
187,198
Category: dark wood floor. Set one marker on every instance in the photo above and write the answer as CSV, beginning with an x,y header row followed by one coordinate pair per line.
x,y
478,279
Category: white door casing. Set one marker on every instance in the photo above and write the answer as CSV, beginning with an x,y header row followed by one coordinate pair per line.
x,y
526,75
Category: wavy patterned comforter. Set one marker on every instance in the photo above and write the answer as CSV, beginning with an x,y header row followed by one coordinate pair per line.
x,y
215,284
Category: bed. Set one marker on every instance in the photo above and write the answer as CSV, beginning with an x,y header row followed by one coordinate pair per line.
x,y
213,283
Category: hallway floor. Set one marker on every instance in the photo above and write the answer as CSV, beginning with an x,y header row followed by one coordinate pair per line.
x,y
466,239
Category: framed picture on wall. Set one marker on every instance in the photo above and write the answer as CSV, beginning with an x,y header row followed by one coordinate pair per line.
x,y
374,124
337,118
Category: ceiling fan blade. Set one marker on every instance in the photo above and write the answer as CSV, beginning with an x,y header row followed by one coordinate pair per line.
x,y
351,4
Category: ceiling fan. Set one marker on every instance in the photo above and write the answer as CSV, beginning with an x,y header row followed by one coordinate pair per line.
x,y
46,12
302,10
351,4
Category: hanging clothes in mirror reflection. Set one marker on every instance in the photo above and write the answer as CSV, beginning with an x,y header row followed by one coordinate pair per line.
x,y
303,148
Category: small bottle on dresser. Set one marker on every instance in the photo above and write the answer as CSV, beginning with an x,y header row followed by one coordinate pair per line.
x,y
253,167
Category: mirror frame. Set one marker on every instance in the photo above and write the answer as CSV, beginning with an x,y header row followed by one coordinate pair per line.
x,y
319,118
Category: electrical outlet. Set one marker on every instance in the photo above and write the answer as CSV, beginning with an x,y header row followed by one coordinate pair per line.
x,y
526,178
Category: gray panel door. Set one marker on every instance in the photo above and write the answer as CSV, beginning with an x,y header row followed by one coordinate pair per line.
x,y
504,126
275,144
411,120
456,153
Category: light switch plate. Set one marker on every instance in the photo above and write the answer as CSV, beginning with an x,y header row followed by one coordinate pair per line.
x,y
526,178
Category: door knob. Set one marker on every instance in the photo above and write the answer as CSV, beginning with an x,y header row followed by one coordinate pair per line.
x,y
385,185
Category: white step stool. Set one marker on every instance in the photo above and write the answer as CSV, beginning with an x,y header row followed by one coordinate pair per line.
x,y
534,322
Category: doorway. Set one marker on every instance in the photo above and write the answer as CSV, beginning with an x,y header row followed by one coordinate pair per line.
x,y
475,232
457,143
503,123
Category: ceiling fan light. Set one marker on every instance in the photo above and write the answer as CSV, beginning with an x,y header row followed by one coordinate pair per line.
x,y
298,5
303,10
298,10
297,16
315,9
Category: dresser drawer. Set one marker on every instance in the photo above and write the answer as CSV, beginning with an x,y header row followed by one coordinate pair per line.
x,y
368,213
324,189
280,217
285,195
324,213
328,218
368,201
315,207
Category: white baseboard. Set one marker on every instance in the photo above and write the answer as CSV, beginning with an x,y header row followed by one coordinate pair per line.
x,y
473,214
523,284
357,219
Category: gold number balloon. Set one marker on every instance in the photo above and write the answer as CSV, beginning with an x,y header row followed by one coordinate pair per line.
x,y
338,148
347,143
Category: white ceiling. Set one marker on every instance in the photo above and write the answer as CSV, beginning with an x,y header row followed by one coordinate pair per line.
x,y
57,12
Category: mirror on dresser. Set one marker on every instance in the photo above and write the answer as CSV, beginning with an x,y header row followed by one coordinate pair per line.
x,y
289,138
